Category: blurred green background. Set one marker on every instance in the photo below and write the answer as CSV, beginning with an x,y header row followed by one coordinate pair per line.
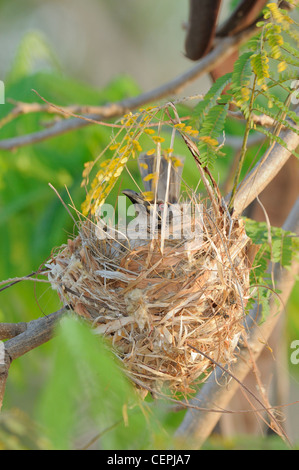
x,y
73,52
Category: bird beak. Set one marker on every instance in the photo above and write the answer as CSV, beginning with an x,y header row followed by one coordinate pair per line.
x,y
134,197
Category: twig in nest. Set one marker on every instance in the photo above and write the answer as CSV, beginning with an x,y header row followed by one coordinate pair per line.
x,y
15,280
226,370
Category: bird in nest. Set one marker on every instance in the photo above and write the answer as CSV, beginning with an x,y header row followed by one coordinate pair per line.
x,y
162,182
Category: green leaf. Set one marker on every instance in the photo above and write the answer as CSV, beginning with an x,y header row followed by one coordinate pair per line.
x,y
276,117
211,129
84,374
211,98
241,79
260,66
275,138
279,246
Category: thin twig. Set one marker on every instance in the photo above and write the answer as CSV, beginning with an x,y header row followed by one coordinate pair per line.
x,y
11,282
222,50
261,119
241,384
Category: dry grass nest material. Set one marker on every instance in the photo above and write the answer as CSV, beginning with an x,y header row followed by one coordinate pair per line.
x,y
155,308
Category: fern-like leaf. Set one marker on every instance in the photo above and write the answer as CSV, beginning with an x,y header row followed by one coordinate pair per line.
x,y
275,138
211,98
211,129
283,249
291,50
276,118
260,66
285,109
241,78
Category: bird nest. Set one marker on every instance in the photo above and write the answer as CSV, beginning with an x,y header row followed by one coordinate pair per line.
x,y
168,309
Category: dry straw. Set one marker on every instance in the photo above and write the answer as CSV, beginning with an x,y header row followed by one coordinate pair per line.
x,y
158,302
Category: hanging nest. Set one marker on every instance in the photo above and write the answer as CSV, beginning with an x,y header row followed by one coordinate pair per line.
x,y
160,302
159,310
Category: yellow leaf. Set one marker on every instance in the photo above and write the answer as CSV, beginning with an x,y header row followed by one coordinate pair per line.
x,y
209,140
158,139
176,162
245,92
282,66
150,177
148,195
136,145
114,146
144,166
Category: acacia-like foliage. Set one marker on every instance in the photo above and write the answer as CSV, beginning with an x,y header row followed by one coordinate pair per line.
x,y
263,82
275,246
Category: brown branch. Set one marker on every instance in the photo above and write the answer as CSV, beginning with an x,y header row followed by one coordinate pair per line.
x,y
262,119
10,330
223,49
202,22
75,111
198,425
37,333
245,14
30,336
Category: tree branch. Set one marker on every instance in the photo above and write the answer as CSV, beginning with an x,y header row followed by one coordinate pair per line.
x,y
30,336
10,330
202,23
223,49
37,333
198,425
246,12
261,119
